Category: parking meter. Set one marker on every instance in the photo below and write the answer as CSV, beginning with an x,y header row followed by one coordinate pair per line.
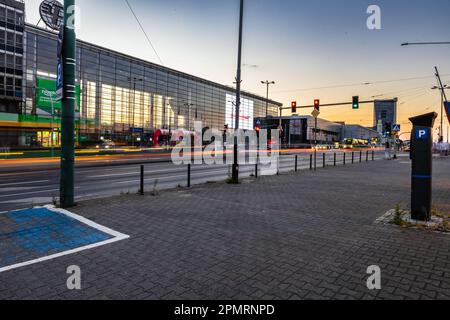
x,y
422,160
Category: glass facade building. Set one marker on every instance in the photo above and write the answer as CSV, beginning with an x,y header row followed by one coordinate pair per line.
x,y
119,97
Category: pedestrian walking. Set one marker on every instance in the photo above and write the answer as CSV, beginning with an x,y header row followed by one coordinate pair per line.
x,y
387,151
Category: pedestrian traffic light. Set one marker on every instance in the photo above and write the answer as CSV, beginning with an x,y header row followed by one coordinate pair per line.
x,y
317,104
294,106
355,104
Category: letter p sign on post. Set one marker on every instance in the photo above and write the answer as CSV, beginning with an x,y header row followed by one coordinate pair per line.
x,y
422,161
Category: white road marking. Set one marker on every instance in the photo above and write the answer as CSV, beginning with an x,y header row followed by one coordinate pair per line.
x,y
22,183
117,236
31,192
40,200
3,190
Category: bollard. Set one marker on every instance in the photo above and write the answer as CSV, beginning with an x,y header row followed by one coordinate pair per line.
x,y
344,157
373,155
360,156
296,163
315,160
141,190
189,176
353,157
324,161
256,170
310,162
367,156
334,159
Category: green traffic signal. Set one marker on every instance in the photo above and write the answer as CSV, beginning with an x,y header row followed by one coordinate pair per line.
x,y
355,102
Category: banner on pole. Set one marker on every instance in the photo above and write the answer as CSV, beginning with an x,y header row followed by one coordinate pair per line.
x,y
447,110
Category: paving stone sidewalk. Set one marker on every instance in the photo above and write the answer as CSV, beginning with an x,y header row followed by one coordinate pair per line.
x,y
309,235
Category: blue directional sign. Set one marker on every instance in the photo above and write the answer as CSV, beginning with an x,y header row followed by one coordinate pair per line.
x,y
422,133
396,128
59,82
59,68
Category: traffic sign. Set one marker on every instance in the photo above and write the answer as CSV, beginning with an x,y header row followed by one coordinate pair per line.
x,y
52,13
59,82
59,68
315,113
422,133
396,128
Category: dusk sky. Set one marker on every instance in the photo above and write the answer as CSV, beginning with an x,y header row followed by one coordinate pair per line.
x,y
305,46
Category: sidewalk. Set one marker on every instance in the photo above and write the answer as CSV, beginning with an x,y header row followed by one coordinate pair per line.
x,y
297,236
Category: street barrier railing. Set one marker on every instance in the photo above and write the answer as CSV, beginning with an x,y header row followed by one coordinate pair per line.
x,y
197,174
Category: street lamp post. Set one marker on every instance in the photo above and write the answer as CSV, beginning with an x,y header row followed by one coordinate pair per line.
x,y
189,105
67,185
235,173
134,79
267,83
441,130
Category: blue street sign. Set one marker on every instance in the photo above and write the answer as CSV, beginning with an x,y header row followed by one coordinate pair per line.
x,y
258,122
137,130
396,128
59,82
422,133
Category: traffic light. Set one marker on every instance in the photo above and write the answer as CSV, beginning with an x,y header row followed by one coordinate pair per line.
x,y
294,106
355,104
388,129
317,104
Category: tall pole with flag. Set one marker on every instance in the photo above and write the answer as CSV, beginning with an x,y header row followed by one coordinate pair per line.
x,y
68,57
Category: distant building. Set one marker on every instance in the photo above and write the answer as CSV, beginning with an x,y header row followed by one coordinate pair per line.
x,y
354,131
385,111
299,130
119,97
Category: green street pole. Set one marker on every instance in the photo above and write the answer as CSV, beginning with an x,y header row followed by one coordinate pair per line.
x,y
67,198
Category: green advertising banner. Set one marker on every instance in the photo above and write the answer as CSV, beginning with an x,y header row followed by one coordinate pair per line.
x,y
46,95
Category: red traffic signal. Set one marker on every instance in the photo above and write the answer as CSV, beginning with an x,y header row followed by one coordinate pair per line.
x,y
294,106
317,104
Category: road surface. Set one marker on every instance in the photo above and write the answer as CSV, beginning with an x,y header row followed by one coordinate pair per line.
x,y
25,189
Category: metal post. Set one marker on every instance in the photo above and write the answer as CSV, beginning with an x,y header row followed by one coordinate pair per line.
x,y
310,162
360,156
353,157
235,174
315,160
335,159
373,155
367,156
189,176
256,170
344,158
324,161
141,190
296,163
67,196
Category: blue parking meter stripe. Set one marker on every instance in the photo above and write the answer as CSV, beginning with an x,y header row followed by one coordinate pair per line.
x,y
418,176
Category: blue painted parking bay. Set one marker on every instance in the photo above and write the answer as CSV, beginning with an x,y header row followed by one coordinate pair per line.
x,y
36,235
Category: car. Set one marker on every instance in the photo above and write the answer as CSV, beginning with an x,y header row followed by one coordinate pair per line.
x,y
106,144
